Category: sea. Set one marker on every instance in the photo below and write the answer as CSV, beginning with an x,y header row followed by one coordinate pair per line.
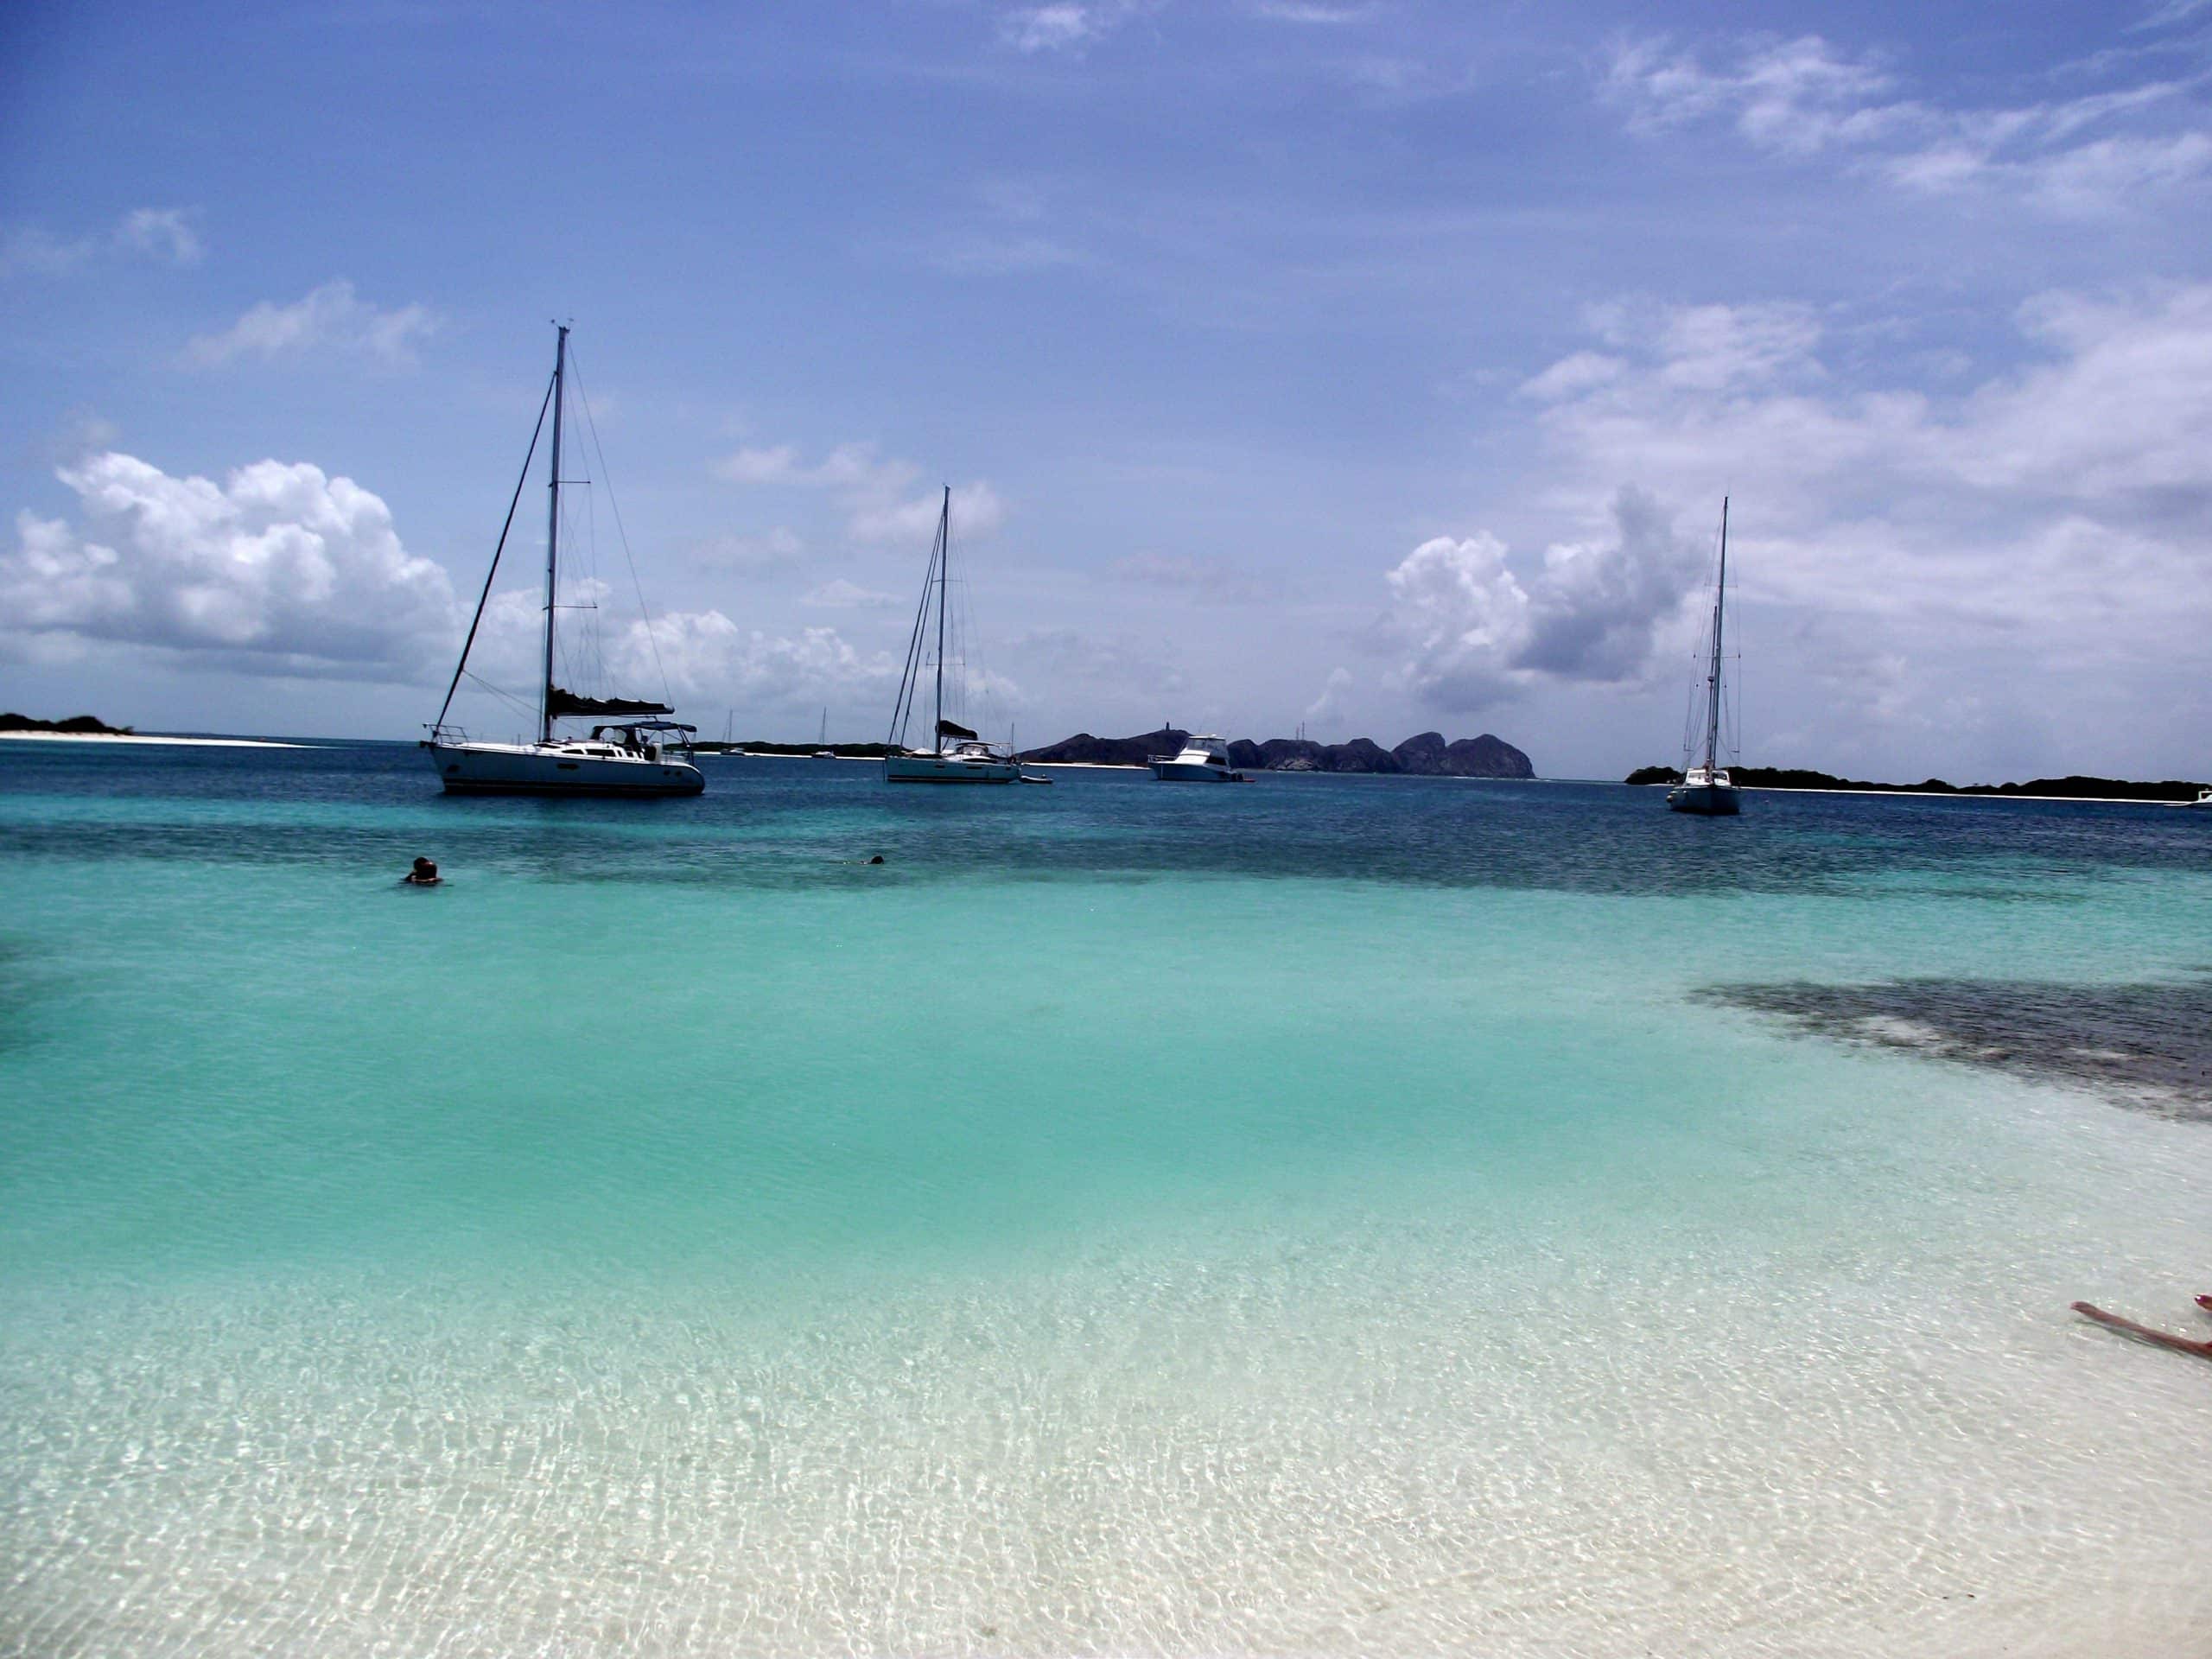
x,y
1325,1216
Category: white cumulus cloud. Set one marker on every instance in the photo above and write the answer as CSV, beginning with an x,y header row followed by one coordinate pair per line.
x,y
1465,616
329,319
778,548
872,489
977,510
840,594
277,569
1592,612
1330,705
695,657
707,656
163,234
2091,156
2041,527
1068,28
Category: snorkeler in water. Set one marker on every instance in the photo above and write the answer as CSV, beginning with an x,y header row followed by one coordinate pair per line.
x,y
424,875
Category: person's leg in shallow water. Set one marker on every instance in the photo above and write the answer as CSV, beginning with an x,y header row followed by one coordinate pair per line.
x,y
2147,1333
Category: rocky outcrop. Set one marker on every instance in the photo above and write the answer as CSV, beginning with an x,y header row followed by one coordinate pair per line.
x,y
1291,755
1361,755
1486,757
1425,755
1083,749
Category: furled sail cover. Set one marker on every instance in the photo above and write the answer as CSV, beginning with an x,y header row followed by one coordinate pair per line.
x,y
559,702
952,728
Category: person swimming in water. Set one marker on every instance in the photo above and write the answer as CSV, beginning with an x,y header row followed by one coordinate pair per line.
x,y
424,875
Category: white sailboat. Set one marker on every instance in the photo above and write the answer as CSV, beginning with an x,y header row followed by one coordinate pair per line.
x,y
821,749
1706,788
957,756
634,751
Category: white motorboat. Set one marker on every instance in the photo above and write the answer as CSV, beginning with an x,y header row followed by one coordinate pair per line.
x,y
2203,799
957,755
1706,788
1204,759
635,753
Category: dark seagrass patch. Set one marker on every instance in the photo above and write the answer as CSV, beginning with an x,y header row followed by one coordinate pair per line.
x,y
2145,1045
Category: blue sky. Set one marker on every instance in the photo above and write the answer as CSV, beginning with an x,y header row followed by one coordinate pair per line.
x,y
1377,365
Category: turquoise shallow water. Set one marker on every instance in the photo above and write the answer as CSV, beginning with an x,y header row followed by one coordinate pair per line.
x,y
1325,1216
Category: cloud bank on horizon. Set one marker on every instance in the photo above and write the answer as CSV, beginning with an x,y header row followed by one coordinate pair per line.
x,y
1380,366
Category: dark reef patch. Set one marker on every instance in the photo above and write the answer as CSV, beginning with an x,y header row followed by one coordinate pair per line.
x,y
2147,1045
23,977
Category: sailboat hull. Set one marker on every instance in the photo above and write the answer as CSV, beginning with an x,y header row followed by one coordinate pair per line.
x,y
948,769
557,769
1708,800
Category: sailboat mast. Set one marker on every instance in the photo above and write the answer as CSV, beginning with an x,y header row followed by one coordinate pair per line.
x,y
1712,679
943,574
552,539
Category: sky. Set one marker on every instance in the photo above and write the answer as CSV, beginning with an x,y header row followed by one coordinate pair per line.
x,y
1377,366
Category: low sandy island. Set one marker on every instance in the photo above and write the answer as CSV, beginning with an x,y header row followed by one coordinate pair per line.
x,y
1972,795
133,737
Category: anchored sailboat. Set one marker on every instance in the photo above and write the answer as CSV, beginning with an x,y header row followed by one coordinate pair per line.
x,y
1706,787
957,756
635,753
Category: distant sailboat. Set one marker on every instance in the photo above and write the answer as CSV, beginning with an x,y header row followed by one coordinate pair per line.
x,y
956,755
823,750
1706,787
635,753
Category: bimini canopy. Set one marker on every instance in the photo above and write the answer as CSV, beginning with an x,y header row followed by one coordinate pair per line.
x,y
952,728
645,726
559,702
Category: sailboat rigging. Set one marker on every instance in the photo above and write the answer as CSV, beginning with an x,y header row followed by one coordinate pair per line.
x,y
637,753
1707,788
956,755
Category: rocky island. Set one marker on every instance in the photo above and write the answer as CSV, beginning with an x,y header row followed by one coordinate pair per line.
x,y
1424,755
